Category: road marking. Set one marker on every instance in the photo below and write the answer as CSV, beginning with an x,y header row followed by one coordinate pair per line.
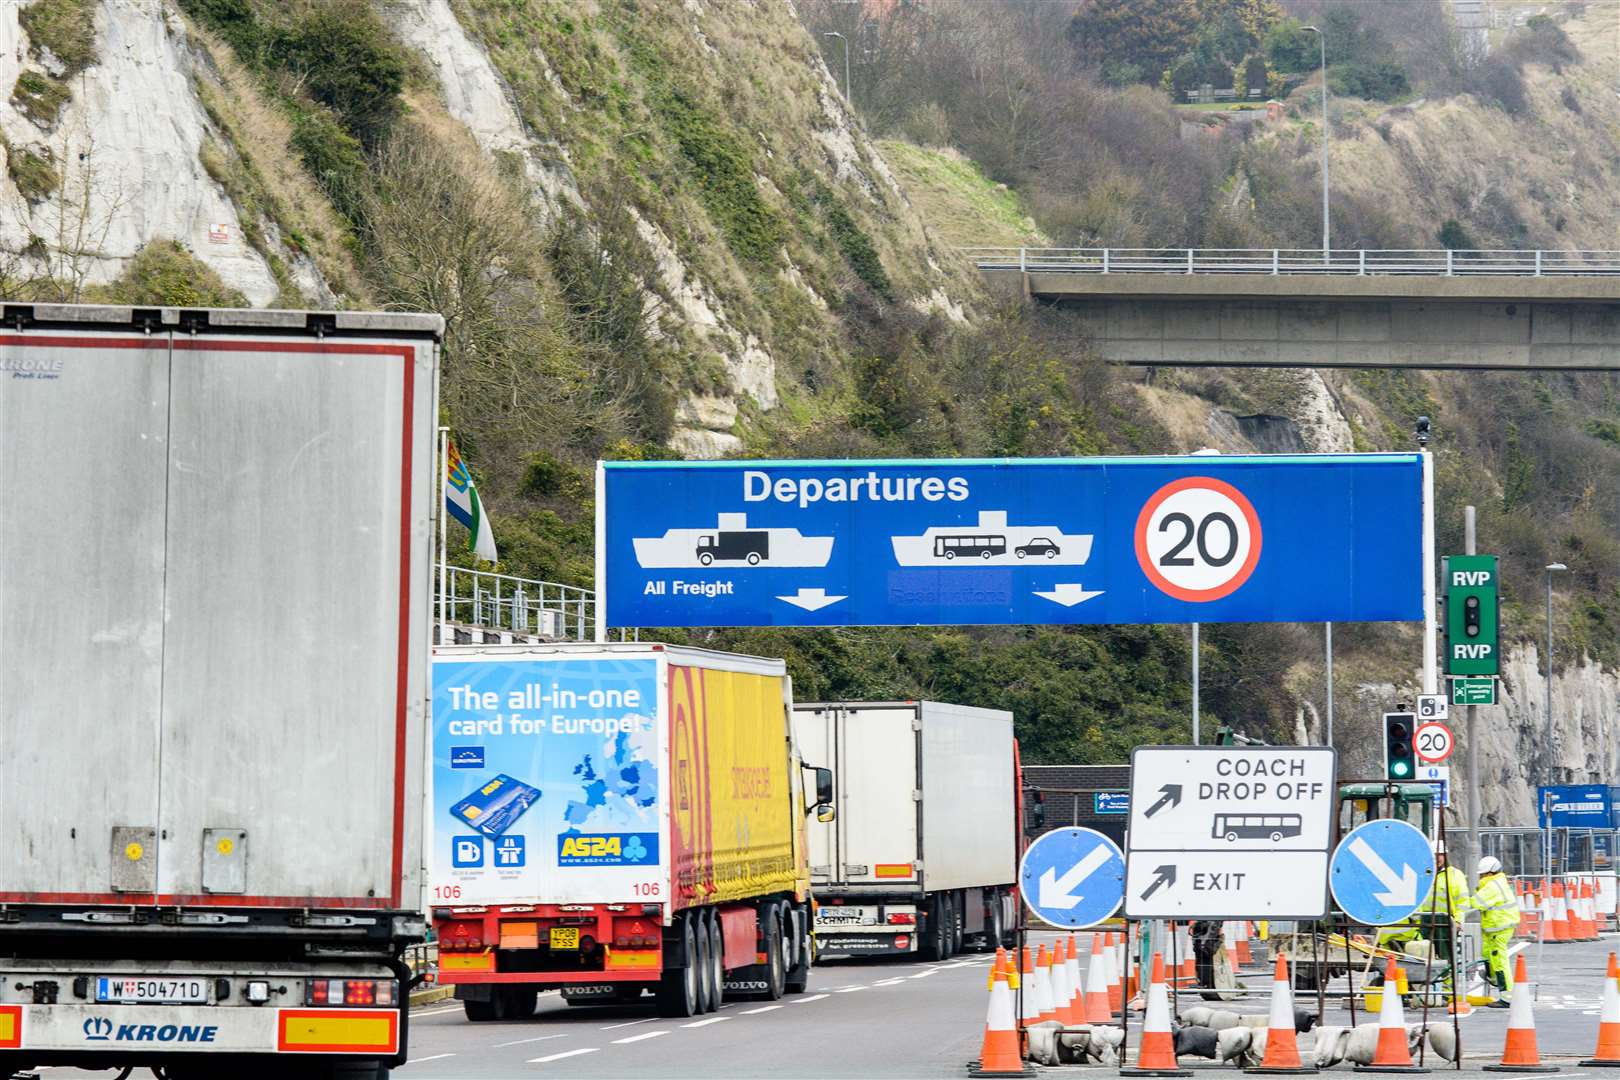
x,y
762,1008
639,1038
520,1042
564,1054
807,1000
706,1023
436,1012
924,974
888,982
629,1023
430,1057
849,989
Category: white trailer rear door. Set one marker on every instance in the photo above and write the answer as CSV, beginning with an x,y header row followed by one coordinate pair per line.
x,y
877,811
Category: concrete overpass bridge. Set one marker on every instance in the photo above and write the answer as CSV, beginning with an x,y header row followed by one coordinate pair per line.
x,y
1492,310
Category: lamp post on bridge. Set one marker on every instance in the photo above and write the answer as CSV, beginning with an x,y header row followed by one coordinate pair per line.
x,y
1322,40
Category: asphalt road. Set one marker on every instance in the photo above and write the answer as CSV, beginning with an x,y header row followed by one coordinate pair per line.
x,y
897,1020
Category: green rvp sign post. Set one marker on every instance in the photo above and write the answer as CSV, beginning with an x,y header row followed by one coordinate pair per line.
x,y
1471,630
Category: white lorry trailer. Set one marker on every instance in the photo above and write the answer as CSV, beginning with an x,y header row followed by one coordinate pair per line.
x,y
922,854
214,606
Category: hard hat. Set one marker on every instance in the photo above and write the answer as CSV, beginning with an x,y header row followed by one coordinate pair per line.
x,y
1438,847
1490,864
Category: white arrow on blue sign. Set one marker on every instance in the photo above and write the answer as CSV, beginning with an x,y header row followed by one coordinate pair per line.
x,y
1073,877
1381,872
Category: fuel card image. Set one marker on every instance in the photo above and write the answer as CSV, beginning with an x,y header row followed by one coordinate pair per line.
x,y
495,806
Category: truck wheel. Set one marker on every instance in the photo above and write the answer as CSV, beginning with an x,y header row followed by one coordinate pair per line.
x,y
717,962
479,1012
958,924
992,925
515,1002
701,961
798,976
680,989
775,955
936,945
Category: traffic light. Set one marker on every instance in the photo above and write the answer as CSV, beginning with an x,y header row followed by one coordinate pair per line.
x,y
1038,810
1471,615
1398,761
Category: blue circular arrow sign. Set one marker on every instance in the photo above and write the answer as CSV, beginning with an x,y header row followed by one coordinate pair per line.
x,y
1073,877
1381,872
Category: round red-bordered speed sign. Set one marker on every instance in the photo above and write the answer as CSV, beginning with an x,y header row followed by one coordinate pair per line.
x,y
1198,539
1433,742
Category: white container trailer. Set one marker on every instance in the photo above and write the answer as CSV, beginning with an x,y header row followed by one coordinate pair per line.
x,y
923,852
214,606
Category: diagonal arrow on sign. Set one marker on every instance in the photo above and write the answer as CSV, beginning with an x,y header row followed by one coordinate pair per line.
x,y
1400,889
1166,878
1058,892
1170,795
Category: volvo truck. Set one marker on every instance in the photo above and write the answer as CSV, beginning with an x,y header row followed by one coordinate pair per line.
x,y
214,601
621,823
922,854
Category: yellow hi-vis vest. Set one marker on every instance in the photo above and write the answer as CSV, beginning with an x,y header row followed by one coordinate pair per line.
x,y
1452,885
1497,904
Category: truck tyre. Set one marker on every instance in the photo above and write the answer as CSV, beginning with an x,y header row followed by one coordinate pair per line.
x,y
680,989
700,962
798,976
958,923
515,1002
717,962
479,1012
936,943
993,930
775,955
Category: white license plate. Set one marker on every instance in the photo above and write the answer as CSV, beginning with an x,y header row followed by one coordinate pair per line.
x,y
853,918
120,990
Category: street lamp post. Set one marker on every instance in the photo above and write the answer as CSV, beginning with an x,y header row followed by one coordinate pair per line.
x,y
1552,568
1322,40
849,94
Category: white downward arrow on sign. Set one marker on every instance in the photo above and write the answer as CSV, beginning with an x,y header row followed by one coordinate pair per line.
x,y
811,599
1058,892
1401,888
1068,594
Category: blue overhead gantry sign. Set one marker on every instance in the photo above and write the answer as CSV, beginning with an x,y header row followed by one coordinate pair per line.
x,y
1292,538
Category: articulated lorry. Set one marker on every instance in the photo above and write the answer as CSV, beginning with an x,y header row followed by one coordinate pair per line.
x,y
922,854
618,820
214,607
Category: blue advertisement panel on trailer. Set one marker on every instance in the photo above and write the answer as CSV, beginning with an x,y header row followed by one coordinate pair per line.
x,y
1288,538
545,778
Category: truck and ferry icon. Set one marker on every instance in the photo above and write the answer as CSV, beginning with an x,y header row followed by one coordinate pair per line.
x,y
732,540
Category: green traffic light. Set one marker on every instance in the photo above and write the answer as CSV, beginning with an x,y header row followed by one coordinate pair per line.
x,y
1399,769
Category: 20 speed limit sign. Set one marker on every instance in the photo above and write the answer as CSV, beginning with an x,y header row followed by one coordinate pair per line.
x,y
1198,539
1433,742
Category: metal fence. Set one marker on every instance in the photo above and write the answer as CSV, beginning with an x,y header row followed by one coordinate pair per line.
x,y
522,606
1350,262
1531,853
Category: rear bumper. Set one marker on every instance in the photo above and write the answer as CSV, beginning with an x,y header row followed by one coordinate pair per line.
x,y
877,942
497,945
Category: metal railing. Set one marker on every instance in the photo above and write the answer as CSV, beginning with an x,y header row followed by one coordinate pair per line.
x,y
523,606
1355,262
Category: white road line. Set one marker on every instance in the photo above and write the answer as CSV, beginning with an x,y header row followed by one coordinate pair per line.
x,y
629,1023
520,1042
807,1000
849,989
564,1054
706,1023
436,1012
430,1057
761,1009
888,982
923,974
643,1035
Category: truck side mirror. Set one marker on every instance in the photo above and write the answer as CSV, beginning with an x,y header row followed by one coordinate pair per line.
x,y
824,788
825,813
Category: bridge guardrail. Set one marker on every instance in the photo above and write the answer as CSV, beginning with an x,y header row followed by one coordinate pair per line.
x,y
1355,262
523,606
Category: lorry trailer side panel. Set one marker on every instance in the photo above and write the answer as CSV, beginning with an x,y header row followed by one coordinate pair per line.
x,y
968,784
233,688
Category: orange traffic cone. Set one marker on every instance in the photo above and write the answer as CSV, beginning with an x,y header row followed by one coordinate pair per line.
x,y
1572,918
1097,1010
1589,910
1244,956
998,1053
1282,1047
1029,1005
1077,992
998,964
1116,988
1608,1044
1060,985
1188,963
1519,1054
1044,1004
1557,917
1392,1054
1157,1056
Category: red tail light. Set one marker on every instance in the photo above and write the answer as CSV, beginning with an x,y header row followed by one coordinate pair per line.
x,y
902,918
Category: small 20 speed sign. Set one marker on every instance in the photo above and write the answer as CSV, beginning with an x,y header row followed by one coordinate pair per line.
x,y
1433,742
1198,539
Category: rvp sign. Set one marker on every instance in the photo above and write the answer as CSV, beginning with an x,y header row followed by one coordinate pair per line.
x,y
1471,615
